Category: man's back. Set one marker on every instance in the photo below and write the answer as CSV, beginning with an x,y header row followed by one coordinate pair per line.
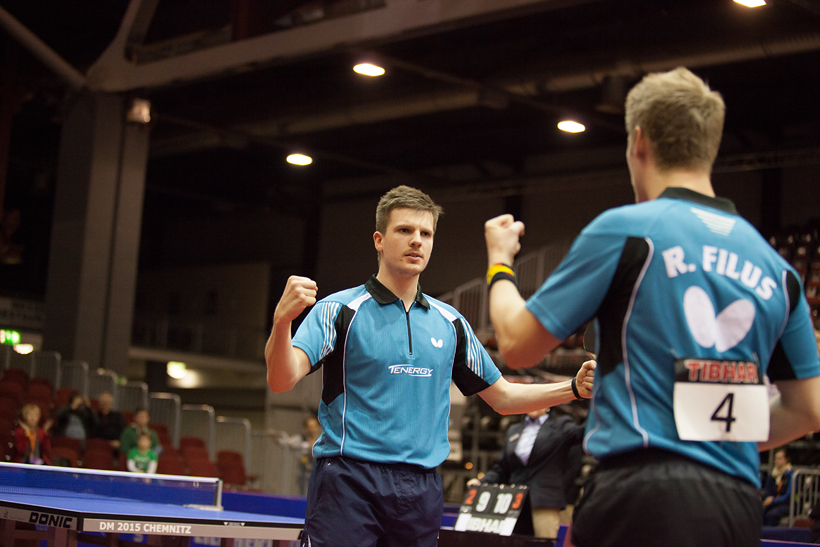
x,y
688,296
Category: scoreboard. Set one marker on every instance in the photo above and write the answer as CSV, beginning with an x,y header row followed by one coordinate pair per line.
x,y
494,509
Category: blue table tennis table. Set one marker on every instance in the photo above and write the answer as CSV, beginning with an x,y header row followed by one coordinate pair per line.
x,y
64,517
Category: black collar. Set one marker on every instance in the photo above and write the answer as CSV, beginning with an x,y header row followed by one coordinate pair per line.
x,y
689,195
383,295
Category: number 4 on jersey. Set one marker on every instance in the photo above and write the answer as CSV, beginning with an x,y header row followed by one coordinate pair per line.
x,y
727,403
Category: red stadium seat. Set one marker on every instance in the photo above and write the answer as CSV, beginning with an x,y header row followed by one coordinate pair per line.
x,y
99,459
195,453
203,468
170,465
62,441
64,455
192,441
13,390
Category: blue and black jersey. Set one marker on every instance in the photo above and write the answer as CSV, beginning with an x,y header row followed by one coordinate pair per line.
x,y
682,290
387,373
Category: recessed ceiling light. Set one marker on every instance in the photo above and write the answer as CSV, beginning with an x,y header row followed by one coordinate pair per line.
x,y
299,159
751,3
571,127
368,69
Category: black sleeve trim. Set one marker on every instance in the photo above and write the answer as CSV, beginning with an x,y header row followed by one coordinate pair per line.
x,y
780,368
612,312
467,381
333,362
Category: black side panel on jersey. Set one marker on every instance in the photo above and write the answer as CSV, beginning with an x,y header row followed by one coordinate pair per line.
x,y
612,312
779,366
467,381
333,363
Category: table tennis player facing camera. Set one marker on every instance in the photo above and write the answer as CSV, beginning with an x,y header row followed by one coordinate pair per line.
x,y
388,354
692,308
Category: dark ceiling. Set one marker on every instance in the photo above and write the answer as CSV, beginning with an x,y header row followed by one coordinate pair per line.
x,y
469,102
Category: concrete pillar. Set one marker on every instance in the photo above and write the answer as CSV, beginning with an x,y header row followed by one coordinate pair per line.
x,y
96,232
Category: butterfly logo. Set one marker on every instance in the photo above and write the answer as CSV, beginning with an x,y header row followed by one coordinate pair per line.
x,y
437,343
724,330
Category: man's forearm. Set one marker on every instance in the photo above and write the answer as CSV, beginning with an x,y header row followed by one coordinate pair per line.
x,y
280,357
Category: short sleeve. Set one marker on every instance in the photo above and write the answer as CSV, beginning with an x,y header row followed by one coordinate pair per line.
x,y
795,356
473,368
316,336
574,292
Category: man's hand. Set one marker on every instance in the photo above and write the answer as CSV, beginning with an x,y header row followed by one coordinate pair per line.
x,y
502,234
300,292
585,379
473,482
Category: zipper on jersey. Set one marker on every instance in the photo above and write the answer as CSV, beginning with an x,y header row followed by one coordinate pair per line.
x,y
409,333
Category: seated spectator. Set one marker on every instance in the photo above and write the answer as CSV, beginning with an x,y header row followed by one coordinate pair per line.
x,y
142,459
75,420
128,439
31,443
777,491
110,423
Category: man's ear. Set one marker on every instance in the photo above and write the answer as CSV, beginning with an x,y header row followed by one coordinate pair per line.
x,y
640,145
377,241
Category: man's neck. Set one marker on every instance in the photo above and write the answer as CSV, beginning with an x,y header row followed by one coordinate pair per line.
x,y
404,288
697,181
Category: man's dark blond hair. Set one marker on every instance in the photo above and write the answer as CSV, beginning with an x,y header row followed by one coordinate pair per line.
x,y
680,116
405,197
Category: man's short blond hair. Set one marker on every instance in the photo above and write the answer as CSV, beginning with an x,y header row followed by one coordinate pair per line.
x,y
405,197
680,116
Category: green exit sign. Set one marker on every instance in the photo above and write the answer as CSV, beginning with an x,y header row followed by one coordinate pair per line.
x,y
9,336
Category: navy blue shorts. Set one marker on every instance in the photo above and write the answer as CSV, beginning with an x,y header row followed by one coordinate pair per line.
x,y
653,498
362,504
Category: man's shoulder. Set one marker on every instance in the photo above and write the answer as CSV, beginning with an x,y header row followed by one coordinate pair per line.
x,y
345,296
445,309
632,219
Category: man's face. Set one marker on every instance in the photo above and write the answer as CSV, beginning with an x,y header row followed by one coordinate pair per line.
x,y
406,243
141,418
106,402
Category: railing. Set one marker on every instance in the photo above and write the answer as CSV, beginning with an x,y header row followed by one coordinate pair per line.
x,y
805,487
530,272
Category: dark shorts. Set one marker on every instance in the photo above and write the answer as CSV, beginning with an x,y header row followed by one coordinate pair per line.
x,y
656,498
362,504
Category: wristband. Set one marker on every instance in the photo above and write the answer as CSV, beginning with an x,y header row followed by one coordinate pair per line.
x,y
497,272
575,391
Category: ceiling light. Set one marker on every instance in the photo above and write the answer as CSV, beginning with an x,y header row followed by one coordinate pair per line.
x,y
571,127
177,370
751,3
368,69
139,112
299,159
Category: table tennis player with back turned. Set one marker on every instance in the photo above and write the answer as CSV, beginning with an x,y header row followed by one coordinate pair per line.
x,y
388,354
693,307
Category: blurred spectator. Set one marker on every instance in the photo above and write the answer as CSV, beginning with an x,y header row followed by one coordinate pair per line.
x,y
31,443
777,490
75,420
142,459
110,423
312,430
535,453
128,439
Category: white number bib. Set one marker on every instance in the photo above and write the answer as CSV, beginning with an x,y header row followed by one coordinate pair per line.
x,y
734,409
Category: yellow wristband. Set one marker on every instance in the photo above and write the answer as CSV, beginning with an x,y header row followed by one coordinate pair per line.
x,y
498,268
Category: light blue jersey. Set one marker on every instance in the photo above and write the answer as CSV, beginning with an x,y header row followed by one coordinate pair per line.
x,y
387,373
686,294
